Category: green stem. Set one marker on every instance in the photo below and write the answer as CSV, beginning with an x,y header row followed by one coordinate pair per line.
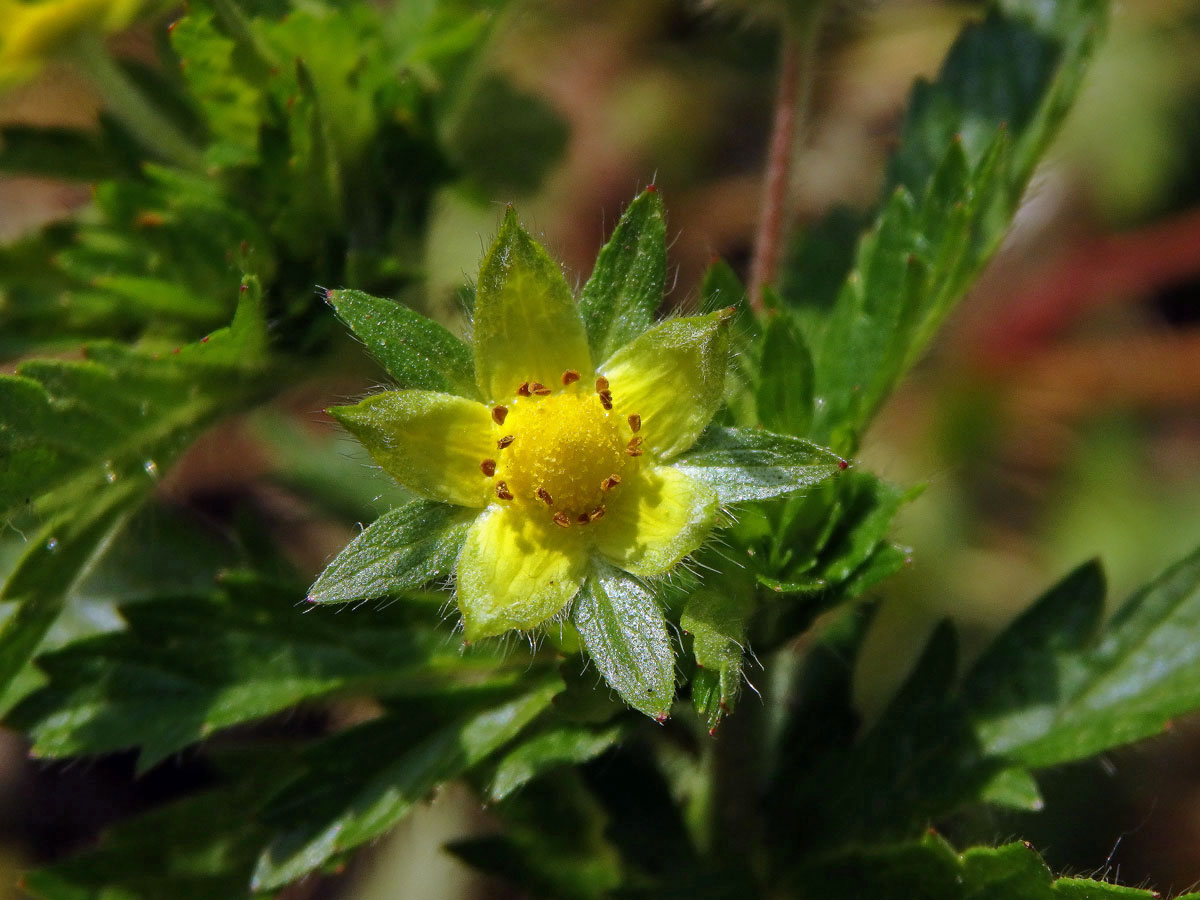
x,y
131,107
797,57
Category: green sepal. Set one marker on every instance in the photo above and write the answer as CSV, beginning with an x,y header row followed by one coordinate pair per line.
x,y
622,295
746,464
625,634
404,549
527,327
417,352
715,617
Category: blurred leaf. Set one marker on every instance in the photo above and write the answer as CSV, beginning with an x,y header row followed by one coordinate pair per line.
x,y
505,138
416,351
1050,690
625,635
620,299
185,667
377,782
404,549
557,746
784,396
931,869
571,859
744,464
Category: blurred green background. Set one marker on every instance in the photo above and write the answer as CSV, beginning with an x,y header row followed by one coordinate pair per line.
x,y
1058,417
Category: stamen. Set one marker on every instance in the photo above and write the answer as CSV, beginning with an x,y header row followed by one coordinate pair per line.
x,y
582,518
502,491
504,441
488,467
609,483
544,496
570,376
606,399
540,389
596,513
635,446
523,390
635,422
499,413
601,383
561,519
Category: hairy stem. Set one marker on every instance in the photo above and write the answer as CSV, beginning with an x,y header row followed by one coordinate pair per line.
x,y
797,55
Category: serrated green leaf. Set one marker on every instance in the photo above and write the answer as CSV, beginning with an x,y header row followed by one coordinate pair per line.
x,y
620,299
784,396
185,667
405,549
625,635
1067,695
743,464
417,352
384,786
557,746
930,868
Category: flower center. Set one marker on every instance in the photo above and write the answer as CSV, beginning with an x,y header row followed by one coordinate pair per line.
x,y
560,454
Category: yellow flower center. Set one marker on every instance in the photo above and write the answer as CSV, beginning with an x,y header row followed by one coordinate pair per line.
x,y
560,454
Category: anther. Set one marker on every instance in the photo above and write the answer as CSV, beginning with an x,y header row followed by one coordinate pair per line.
x,y
540,389
609,483
562,519
499,413
523,390
606,399
635,422
635,446
570,376
488,467
544,496
601,383
504,441
502,491
596,513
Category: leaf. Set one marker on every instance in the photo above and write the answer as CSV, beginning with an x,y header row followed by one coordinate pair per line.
x,y
744,464
376,785
620,299
90,438
185,667
930,868
969,145
625,634
404,549
417,352
785,389
1068,695
505,138
557,746
553,843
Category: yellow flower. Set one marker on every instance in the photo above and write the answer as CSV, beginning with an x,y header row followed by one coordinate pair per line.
x,y
31,32
566,458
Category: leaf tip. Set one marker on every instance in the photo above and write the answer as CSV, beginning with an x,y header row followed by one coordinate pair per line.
x,y
661,718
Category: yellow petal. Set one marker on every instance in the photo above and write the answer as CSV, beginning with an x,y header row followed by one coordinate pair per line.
x,y
672,376
517,571
431,443
527,327
654,520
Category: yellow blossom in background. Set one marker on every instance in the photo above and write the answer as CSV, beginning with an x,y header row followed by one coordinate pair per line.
x,y
33,33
